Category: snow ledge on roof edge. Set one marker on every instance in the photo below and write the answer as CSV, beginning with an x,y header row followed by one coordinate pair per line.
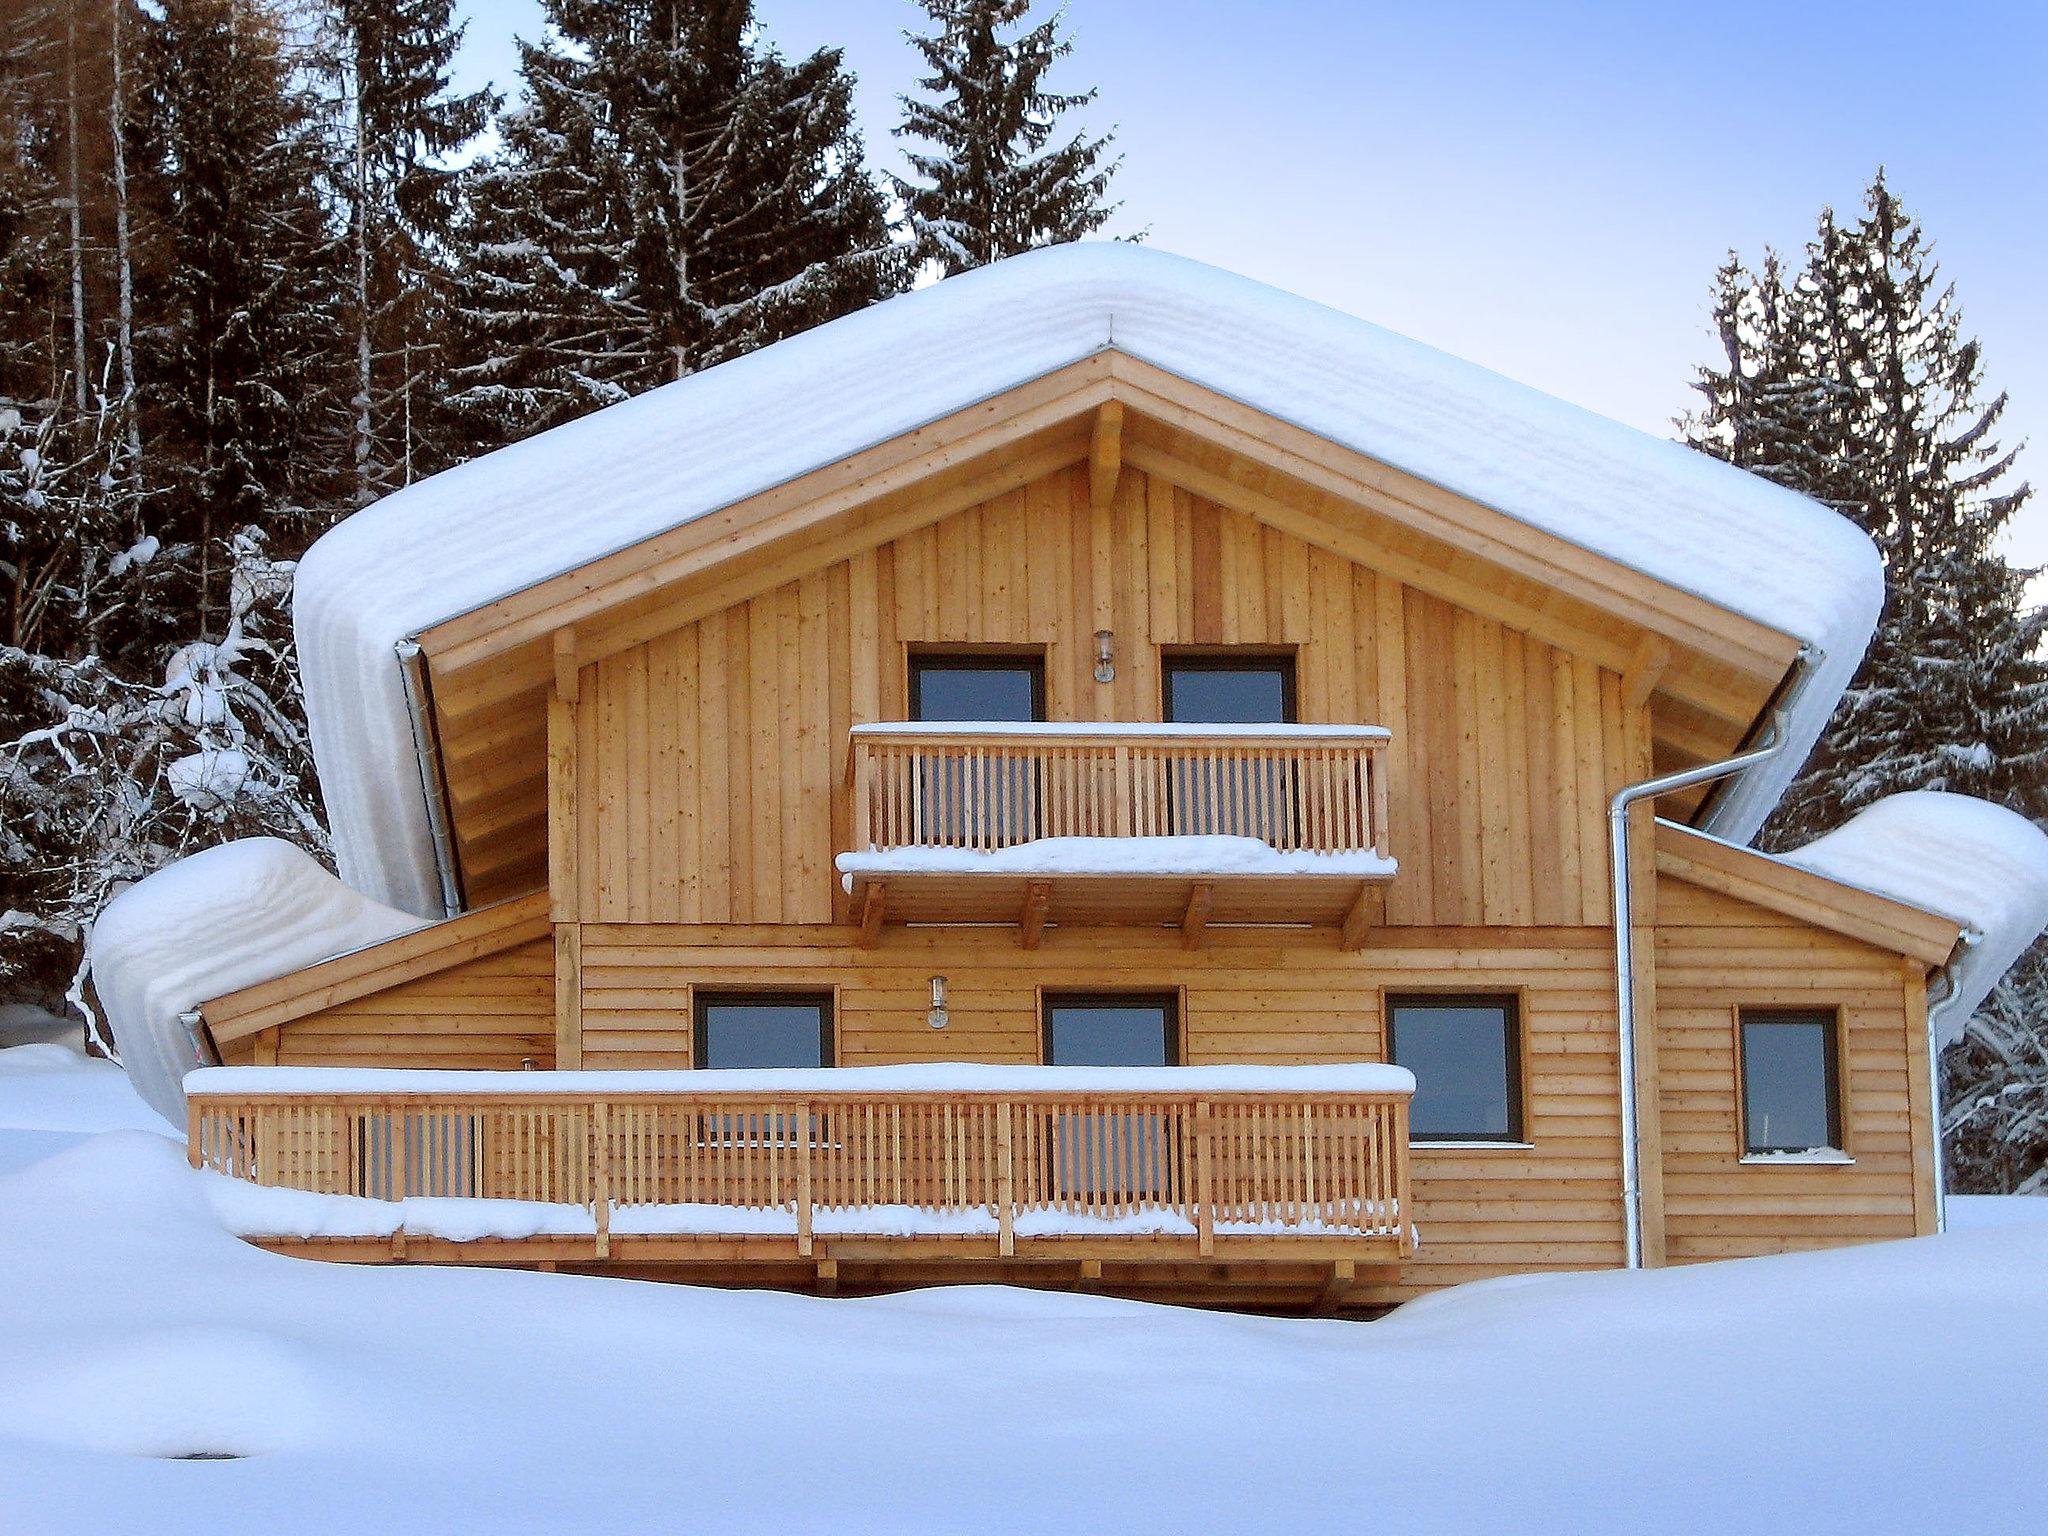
x,y
555,501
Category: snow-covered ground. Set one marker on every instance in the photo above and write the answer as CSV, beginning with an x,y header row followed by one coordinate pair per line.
x,y
1899,1387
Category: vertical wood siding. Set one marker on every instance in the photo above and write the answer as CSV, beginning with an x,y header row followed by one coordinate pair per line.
x,y
714,756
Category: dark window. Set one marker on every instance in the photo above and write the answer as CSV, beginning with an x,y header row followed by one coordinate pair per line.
x,y
1236,798
977,687
1230,690
1111,1029
1791,1096
1466,1055
1112,1152
995,801
763,1029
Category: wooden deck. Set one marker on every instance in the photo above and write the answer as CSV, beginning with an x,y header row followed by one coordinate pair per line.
x,y
749,1178
937,795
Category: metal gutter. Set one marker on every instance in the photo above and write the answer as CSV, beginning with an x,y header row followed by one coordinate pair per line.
x,y
1770,742
204,1051
1937,1015
426,746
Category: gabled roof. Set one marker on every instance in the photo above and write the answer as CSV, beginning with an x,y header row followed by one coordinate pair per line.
x,y
449,558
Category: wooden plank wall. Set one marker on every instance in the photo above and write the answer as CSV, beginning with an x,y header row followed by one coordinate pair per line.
x,y
1715,954
491,1012
1247,997
713,757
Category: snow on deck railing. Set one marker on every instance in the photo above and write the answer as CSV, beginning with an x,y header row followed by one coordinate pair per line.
x,y
982,786
1174,1156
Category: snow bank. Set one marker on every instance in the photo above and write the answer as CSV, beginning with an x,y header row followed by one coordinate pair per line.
x,y
1050,856
916,1077
1967,1211
560,499
1819,1392
225,918
1977,863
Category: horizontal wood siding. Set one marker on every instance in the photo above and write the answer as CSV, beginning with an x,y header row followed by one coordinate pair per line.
x,y
491,1012
1246,997
713,756
1715,955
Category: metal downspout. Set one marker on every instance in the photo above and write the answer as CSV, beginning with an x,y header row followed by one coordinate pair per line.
x,y
412,667
1770,742
1937,1015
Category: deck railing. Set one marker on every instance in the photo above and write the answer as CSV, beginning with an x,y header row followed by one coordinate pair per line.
x,y
1319,789
1195,1171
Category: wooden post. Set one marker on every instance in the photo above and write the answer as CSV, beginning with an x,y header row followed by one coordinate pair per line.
x,y
1404,1212
1006,1186
1205,1208
601,1174
803,1181
1105,454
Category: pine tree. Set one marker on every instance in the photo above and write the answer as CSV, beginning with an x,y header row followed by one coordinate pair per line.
x,y
390,59
245,359
1855,384
990,187
669,194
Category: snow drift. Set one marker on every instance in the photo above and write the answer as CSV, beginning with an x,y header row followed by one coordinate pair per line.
x,y
549,504
1977,863
225,918
1896,1387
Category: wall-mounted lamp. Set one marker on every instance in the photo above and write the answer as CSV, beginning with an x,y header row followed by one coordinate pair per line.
x,y
1105,656
938,1018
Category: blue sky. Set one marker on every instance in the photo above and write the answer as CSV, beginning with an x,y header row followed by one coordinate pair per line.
x,y
1545,187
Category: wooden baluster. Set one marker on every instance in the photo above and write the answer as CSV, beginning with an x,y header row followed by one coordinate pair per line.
x,y
805,1152
1205,1200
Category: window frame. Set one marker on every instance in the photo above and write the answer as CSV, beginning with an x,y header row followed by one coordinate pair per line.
x,y
703,999
1236,658
1829,1015
1515,1068
1168,999
969,658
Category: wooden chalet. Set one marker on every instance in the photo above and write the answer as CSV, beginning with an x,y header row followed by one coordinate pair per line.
x,y
1108,721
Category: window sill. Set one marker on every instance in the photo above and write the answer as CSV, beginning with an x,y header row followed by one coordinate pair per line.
x,y
1471,1146
1823,1158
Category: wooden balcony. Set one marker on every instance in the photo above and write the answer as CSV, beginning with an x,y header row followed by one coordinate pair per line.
x,y
1141,824
1183,1165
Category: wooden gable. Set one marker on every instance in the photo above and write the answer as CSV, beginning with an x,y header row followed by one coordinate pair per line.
x,y
1705,674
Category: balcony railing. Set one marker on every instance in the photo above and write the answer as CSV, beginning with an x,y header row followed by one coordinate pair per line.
x,y
1024,1162
981,787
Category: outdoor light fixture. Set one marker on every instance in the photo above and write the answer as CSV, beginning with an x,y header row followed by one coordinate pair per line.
x,y
1105,656
938,1017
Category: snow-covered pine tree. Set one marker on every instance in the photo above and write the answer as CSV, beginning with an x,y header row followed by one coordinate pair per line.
x,y
990,186
1855,384
670,193
247,357
122,773
389,60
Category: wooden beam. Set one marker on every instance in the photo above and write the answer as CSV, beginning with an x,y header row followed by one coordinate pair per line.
x,y
1194,922
568,997
1342,1273
564,830
1646,668
1037,897
828,1277
1105,454
1091,1274
567,673
873,898
1358,922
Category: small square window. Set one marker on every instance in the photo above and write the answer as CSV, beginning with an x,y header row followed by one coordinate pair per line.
x,y
1791,1088
1466,1054
763,1029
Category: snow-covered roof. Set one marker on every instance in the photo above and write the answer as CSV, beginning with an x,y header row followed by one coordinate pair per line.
x,y
226,918
550,504
1978,864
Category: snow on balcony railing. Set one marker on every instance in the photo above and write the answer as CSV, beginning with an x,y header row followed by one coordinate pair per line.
x,y
1184,1157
